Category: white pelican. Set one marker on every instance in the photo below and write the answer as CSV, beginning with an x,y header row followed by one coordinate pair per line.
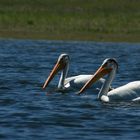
x,y
128,92
70,82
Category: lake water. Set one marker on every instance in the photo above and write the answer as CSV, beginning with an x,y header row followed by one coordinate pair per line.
x,y
27,112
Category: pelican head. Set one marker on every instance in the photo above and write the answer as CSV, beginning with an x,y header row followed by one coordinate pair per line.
x,y
61,65
109,65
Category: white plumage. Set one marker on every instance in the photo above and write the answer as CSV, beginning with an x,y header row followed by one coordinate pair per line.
x,y
70,82
128,92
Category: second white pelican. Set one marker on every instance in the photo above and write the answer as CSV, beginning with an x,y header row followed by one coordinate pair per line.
x,y
128,92
70,82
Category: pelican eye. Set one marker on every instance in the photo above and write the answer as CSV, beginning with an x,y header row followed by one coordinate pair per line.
x,y
111,63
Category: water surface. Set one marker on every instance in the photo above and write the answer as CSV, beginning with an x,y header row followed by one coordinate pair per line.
x,y
27,112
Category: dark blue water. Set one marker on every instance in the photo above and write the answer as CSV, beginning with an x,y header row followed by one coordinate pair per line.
x,y
26,112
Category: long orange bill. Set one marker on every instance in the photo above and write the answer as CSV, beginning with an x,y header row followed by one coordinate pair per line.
x,y
99,73
55,70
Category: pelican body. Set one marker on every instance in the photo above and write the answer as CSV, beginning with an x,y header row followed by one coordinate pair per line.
x,y
70,82
128,92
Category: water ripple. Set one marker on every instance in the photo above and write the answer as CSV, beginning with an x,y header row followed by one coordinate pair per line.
x,y
28,112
